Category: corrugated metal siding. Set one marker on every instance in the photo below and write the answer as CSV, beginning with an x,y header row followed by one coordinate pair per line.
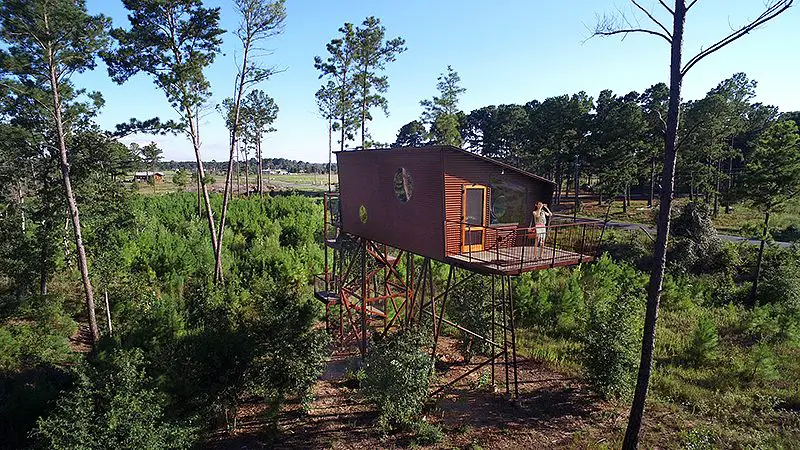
x,y
461,169
367,178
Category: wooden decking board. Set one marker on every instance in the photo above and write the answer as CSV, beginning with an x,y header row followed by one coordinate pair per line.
x,y
515,260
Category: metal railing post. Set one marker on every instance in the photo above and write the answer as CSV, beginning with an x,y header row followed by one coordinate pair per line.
x,y
555,245
583,242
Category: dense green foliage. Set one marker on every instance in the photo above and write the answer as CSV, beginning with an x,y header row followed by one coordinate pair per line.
x,y
612,338
598,309
728,369
187,348
469,305
114,404
196,347
397,375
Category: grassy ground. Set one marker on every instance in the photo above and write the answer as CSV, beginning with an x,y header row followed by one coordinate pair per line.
x,y
743,397
741,221
305,182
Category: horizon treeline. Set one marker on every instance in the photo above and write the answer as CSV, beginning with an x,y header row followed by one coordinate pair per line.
x,y
615,141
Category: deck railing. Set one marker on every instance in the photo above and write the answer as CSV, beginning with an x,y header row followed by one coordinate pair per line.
x,y
332,218
509,247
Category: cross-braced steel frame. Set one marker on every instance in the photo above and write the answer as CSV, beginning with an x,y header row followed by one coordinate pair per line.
x,y
371,288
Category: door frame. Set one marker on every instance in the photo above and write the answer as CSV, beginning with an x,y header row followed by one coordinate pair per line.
x,y
466,227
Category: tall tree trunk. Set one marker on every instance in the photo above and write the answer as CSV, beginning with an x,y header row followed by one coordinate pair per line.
x,y
343,100
625,199
330,152
194,133
717,186
577,177
754,291
559,179
260,167
660,248
21,198
199,199
43,264
44,249
651,196
247,174
218,276
729,186
364,111
238,171
83,264
108,313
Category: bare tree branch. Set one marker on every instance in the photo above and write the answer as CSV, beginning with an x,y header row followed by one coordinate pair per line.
x,y
690,5
772,11
632,30
608,26
671,11
647,13
663,122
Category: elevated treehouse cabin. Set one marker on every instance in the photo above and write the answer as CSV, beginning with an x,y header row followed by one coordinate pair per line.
x,y
457,207
443,204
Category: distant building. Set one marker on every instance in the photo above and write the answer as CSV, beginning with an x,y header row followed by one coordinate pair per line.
x,y
275,171
145,177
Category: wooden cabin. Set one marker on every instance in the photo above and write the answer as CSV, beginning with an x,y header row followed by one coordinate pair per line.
x,y
454,206
148,177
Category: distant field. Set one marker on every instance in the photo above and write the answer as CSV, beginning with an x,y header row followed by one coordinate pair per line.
x,y
305,182
741,221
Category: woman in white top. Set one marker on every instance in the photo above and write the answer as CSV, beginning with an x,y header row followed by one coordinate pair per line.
x,y
540,215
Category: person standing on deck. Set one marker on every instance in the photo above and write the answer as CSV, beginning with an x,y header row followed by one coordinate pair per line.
x,y
540,215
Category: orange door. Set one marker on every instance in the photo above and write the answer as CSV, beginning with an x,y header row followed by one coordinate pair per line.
x,y
473,226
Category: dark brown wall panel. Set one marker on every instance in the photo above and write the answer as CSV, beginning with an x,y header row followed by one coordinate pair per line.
x,y
461,169
367,178
438,174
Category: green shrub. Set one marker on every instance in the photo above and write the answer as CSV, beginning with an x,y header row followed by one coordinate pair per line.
x,y
694,240
761,364
705,341
789,234
698,438
24,397
470,307
773,324
113,405
428,434
263,344
634,248
398,375
38,336
612,337
780,278
550,300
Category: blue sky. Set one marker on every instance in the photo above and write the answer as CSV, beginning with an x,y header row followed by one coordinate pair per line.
x,y
509,51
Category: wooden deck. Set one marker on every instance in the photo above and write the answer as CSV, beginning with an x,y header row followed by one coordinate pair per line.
x,y
516,260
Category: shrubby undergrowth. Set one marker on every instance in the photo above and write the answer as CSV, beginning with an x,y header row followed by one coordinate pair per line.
x,y
718,360
184,352
397,376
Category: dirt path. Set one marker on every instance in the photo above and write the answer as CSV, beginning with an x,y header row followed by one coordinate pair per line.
x,y
81,341
555,411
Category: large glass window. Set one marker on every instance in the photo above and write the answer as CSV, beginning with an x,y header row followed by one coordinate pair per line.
x,y
403,185
507,202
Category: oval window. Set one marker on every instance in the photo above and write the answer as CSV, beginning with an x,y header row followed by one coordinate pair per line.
x,y
362,213
403,185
